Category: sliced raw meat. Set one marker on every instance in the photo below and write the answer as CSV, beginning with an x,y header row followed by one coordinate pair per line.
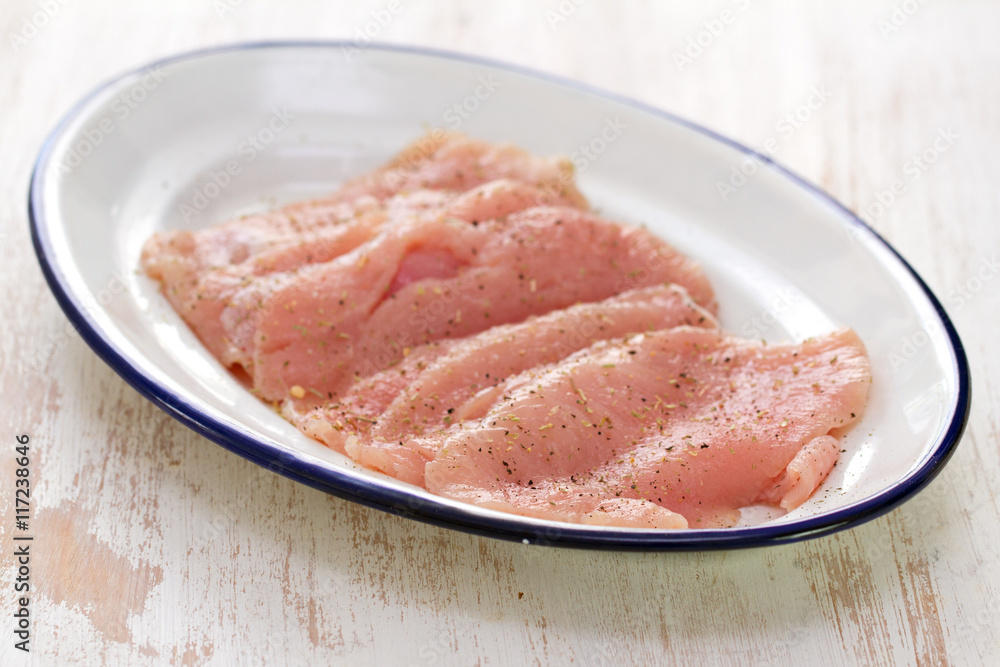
x,y
432,279
474,366
804,474
443,383
244,307
450,161
691,421
202,271
217,278
392,414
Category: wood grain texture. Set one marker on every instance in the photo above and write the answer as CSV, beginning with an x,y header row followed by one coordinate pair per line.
x,y
155,546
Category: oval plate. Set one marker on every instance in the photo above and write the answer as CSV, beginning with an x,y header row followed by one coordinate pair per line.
x,y
199,138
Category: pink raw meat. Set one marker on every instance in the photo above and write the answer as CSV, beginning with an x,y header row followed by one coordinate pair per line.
x,y
383,421
342,321
692,422
215,278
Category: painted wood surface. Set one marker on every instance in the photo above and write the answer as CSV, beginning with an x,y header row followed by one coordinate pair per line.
x,y
154,546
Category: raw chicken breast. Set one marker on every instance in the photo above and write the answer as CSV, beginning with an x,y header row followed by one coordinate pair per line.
x,y
450,161
244,310
689,422
216,278
203,272
383,421
436,278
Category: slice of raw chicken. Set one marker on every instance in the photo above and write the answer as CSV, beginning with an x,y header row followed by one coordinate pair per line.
x,y
436,278
244,307
667,429
450,161
384,422
215,278
203,272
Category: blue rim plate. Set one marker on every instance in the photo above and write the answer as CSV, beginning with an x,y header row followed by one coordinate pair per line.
x,y
195,139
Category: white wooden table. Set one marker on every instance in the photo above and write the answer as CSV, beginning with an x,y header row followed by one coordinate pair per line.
x,y
155,546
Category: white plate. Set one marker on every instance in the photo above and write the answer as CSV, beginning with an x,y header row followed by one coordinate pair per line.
x,y
150,151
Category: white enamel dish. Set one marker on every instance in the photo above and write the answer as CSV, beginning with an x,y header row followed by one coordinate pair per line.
x,y
195,139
